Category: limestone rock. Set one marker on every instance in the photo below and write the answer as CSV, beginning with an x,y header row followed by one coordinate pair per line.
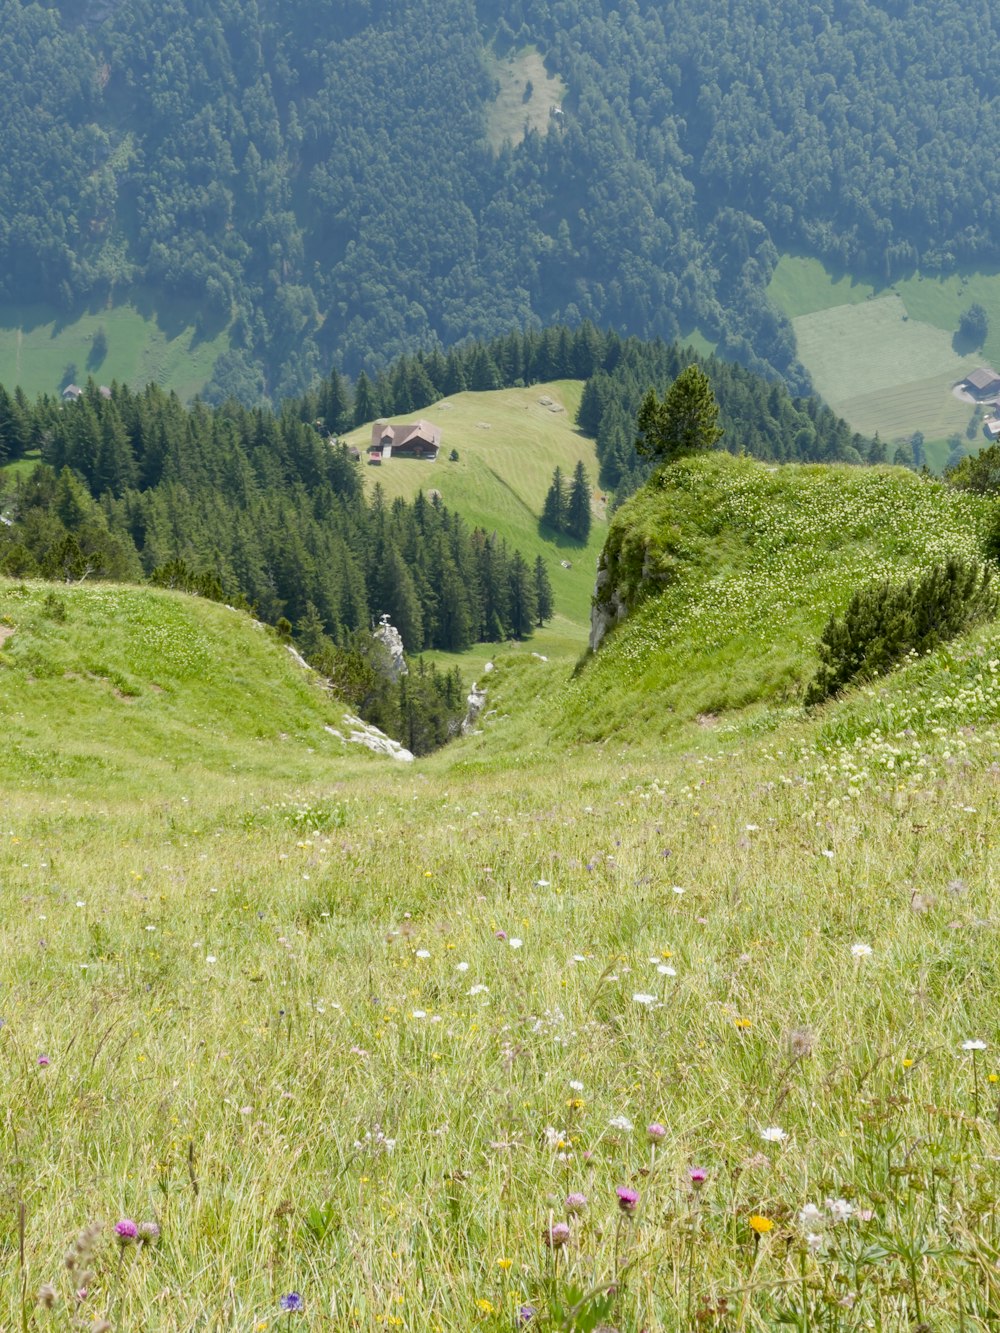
x,y
362,733
475,704
391,640
607,610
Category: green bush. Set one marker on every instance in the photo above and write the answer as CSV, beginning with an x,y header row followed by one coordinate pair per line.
x,y
887,622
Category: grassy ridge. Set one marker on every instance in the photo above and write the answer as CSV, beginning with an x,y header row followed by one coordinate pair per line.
x,y
356,1032
135,685
753,561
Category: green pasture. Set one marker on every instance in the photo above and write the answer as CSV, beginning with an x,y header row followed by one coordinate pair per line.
x,y
801,286
883,357
509,444
42,351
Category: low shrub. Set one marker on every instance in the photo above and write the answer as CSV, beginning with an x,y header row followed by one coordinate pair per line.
x,y
886,622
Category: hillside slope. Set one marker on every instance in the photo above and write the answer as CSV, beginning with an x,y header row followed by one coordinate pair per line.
x,y
122,690
732,568
363,1035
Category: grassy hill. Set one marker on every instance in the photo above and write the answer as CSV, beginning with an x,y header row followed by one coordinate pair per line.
x,y
509,443
357,1032
116,690
754,560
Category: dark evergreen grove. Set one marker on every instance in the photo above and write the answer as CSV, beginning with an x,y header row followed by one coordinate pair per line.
x,y
256,508
318,176
566,509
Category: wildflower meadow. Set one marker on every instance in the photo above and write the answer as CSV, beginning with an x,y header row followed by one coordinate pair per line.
x,y
695,1027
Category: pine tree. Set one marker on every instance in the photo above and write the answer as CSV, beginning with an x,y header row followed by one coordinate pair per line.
x,y
578,505
365,405
455,380
311,633
685,422
523,602
483,373
543,592
554,508
335,403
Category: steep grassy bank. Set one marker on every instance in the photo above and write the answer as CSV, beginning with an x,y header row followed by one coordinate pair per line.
x,y
748,562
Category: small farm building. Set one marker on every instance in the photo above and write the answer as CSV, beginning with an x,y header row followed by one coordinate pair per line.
x,y
983,383
417,439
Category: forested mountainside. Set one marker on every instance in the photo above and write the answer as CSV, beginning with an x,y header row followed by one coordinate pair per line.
x,y
344,180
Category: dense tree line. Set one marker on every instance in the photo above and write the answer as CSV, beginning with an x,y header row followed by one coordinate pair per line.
x,y
251,506
758,417
318,176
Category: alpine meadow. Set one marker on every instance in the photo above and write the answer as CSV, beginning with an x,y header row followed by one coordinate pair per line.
x,y
499,666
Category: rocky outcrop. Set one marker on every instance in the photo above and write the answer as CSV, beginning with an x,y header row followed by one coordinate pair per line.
x,y
391,640
476,702
608,608
360,732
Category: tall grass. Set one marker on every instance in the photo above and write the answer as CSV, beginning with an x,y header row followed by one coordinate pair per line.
x,y
354,1034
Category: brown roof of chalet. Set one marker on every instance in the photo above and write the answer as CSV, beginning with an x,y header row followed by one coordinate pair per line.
x,y
402,436
983,378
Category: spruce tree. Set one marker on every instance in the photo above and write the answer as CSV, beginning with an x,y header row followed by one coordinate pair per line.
x,y
578,505
365,405
554,508
684,422
543,592
335,403
483,373
523,602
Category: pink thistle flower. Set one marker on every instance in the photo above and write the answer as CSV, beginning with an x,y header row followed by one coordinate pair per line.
x,y
628,1200
697,1175
556,1235
656,1132
576,1203
126,1231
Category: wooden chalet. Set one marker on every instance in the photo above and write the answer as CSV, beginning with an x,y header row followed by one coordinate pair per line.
x,y
416,439
983,383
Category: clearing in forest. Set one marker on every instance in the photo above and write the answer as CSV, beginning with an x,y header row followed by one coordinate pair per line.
x,y
527,96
